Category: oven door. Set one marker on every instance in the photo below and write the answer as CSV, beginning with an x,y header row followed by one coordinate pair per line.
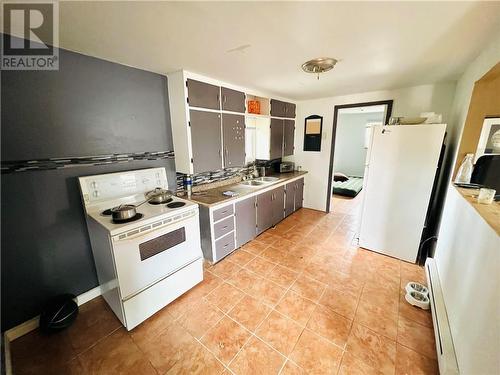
x,y
145,259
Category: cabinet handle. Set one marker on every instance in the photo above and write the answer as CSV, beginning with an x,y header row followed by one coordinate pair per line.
x,y
227,152
223,98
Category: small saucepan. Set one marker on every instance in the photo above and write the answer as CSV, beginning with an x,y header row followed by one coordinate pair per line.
x,y
124,212
159,195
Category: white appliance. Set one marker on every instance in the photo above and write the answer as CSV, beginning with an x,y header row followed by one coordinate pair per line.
x,y
147,262
399,175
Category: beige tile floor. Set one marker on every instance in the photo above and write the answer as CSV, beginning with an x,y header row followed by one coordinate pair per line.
x,y
300,298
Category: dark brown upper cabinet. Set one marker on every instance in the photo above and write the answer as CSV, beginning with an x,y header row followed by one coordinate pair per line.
x,y
205,140
232,100
233,133
203,95
289,110
288,137
276,142
282,109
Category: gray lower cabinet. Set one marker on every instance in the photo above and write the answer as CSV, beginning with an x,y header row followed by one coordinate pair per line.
x,y
294,194
276,142
232,100
299,193
203,95
264,211
245,212
278,203
233,132
290,198
288,137
206,140
270,208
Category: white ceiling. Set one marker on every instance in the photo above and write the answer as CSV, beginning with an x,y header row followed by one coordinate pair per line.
x,y
261,45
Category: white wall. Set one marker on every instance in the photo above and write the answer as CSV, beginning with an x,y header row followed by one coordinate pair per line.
x,y
350,151
410,101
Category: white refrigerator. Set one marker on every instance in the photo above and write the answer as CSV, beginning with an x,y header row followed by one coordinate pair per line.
x,y
400,169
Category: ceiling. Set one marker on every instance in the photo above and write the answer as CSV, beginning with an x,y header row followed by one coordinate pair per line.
x,y
261,45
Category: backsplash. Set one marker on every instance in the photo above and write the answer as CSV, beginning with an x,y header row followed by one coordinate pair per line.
x,y
212,176
59,163
204,178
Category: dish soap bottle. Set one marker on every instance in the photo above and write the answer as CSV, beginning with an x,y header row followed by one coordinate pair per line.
x,y
465,171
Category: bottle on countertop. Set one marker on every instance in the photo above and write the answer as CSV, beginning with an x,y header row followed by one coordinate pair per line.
x,y
188,185
465,171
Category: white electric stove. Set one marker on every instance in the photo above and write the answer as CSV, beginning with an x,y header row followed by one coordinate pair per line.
x,y
145,263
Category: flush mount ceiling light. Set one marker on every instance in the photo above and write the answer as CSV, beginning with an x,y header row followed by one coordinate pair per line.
x,y
319,65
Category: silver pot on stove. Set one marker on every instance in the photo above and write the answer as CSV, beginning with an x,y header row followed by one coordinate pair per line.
x,y
159,195
125,212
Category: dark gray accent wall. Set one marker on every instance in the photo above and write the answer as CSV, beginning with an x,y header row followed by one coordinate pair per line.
x,y
88,107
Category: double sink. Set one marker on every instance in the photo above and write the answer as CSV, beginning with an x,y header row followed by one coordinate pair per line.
x,y
259,181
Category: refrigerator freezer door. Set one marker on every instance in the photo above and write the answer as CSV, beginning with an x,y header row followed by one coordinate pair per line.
x,y
398,185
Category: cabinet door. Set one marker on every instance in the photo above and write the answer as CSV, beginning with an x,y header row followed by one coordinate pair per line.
x,y
205,141
277,108
203,95
276,143
233,132
290,197
245,221
232,100
299,193
278,202
288,137
264,211
289,110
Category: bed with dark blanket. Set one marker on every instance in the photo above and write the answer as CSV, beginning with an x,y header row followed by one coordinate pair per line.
x,y
349,188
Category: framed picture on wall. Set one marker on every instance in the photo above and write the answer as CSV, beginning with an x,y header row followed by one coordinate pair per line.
x,y
313,128
489,140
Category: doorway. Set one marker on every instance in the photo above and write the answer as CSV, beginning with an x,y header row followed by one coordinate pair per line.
x,y
351,136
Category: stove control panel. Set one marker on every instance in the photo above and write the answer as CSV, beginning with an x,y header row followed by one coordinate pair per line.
x,y
110,186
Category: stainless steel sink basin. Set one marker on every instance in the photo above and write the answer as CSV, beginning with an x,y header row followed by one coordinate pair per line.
x,y
266,179
252,183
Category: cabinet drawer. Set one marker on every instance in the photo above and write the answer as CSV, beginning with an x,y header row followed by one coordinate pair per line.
x,y
223,227
224,245
221,213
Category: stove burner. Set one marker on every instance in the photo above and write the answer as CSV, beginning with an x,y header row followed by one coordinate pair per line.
x,y
136,217
175,204
106,212
157,203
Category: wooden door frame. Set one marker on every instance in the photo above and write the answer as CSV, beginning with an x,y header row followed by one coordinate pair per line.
x,y
336,109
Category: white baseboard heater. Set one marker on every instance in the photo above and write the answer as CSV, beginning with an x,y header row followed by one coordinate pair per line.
x,y
447,358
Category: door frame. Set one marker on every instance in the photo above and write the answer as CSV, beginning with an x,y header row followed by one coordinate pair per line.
x,y
336,109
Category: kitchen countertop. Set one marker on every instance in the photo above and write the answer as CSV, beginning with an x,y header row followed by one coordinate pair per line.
x,y
213,197
489,212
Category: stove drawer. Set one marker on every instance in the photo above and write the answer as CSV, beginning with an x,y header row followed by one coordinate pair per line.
x,y
223,227
221,213
224,246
